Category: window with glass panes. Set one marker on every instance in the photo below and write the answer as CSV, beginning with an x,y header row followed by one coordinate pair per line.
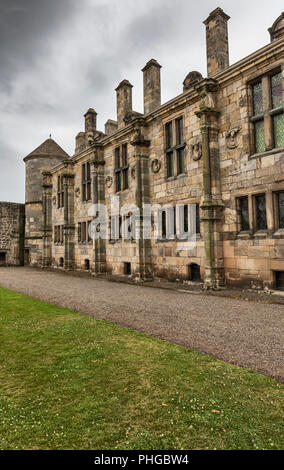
x,y
86,181
175,146
260,212
267,98
121,168
243,209
60,192
280,210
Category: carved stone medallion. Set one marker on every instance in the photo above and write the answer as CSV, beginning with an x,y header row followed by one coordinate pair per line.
x,y
232,138
156,165
196,150
108,181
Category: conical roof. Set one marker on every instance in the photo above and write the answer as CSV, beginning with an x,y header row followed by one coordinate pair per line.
x,y
49,148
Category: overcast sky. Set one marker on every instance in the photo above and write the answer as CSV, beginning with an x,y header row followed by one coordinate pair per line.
x,y
60,57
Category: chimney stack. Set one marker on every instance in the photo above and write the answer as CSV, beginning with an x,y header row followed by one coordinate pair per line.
x,y
110,127
217,42
90,120
80,142
152,86
124,101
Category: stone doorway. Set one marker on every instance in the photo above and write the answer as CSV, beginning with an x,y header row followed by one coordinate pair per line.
x,y
2,258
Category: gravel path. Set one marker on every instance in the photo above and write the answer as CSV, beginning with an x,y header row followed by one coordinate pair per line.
x,y
248,334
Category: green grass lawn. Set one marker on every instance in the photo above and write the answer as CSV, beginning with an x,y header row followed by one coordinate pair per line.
x,y
68,381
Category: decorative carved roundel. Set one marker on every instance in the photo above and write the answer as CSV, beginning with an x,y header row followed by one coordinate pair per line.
x,y
156,165
108,181
133,172
196,150
77,192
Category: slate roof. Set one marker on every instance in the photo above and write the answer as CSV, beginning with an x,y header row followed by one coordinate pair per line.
x,y
48,148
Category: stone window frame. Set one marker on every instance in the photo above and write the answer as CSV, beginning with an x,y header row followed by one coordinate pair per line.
x,y
86,181
240,229
60,192
83,232
121,220
271,215
256,229
275,196
174,148
165,219
121,171
58,235
268,111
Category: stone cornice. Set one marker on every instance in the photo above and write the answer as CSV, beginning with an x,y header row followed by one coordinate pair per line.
x,y
268,52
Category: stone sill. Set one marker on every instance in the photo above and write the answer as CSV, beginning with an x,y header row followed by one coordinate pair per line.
x,y
266,154
246,235
177,240
279,234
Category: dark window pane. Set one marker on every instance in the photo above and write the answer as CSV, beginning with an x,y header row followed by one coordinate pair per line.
x,y
125,179
278,126
260,203
244,213
170,164
124,155
179,130
169,135
88,171
117,158
185,215
180,161
259,137
281,210
197,219
118,181
83,172
164,224
276,90
257,99
88,191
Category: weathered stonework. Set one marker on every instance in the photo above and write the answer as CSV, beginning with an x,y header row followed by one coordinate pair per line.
x,y
220,167
12,230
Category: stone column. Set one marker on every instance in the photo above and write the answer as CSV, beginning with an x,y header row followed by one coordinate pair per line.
x,y
98,180
142,196
69,226
47,218
212,207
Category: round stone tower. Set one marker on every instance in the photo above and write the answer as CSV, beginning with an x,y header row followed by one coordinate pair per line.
x,y
43,158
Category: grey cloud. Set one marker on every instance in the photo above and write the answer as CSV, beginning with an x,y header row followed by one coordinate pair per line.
x,y
25,29
60,57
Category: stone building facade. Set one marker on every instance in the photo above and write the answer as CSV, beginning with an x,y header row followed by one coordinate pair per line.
x,y
12,233
219,146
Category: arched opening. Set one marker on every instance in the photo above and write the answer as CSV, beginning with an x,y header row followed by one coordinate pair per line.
x,y
194,273
87,264
61,262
